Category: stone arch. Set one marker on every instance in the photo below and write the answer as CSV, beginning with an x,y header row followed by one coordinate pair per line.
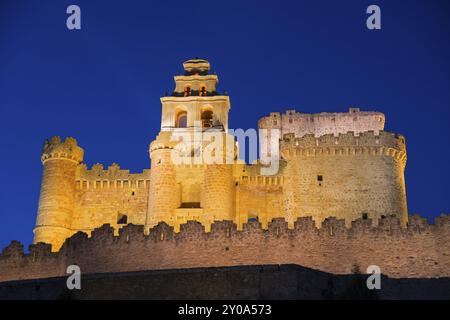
x,y
202,90
187,90
207,116
181,118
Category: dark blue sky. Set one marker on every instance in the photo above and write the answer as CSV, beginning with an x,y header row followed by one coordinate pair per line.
x,y
102,84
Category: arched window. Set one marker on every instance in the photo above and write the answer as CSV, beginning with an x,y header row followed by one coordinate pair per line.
x,y
207,119
181,121
187,91
202,91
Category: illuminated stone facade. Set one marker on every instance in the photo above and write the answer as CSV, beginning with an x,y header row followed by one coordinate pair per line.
x,y
332,164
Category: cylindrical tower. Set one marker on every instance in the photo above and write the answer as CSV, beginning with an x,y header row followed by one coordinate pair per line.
x,y
218,184
57,196
345,176
164,195
218,193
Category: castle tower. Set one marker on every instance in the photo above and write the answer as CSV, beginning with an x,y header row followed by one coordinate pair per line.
x,y
345,176
164,194
187,186
218,194
57,196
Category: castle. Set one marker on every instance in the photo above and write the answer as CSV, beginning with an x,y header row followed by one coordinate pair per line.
x,y
336,199
330,164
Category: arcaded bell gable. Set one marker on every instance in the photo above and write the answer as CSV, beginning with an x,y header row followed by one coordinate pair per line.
x,y
332,164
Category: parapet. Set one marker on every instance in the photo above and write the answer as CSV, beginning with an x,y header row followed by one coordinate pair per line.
x,y
112,177
261,180
324,122
386,143
192,230
56,149
14,249
333,247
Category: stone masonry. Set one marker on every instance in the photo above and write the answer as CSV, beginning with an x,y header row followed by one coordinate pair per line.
x,y
418,251
338,198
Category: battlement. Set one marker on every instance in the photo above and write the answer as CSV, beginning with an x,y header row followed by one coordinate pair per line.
x,y
113,177
192,230
261,180
384,143
322,123
333,248
57,149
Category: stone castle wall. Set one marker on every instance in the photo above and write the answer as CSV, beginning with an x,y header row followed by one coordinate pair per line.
x,y
301,124
258,197
103,196
74,198
420,250
345,176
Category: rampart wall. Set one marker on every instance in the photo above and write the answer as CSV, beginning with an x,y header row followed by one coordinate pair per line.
x,y
104,196
419,250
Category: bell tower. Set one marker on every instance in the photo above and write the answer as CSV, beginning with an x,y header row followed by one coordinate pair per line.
x,y
199,190
195,103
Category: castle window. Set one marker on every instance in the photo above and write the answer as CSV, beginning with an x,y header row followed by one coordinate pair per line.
x,y
365,216
202,92
181,121
122,218
187,91
190,205
320,178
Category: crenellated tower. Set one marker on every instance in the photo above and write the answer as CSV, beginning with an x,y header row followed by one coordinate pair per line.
x,y
346,176
57,197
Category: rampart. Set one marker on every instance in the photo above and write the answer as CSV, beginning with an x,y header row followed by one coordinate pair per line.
x,y
319,124
109,196
419,250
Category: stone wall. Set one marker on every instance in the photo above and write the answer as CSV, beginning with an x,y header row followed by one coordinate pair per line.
x,y
319,124
258,197
102,196
420,250
345,176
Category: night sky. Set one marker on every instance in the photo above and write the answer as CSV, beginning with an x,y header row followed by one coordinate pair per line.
x,y
102,84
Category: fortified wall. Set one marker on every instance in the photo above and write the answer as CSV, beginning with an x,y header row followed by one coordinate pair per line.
x,y
347,176
340,165
74,198
419,250
318,124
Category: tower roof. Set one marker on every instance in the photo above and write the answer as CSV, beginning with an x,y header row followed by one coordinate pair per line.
x,y
196,65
